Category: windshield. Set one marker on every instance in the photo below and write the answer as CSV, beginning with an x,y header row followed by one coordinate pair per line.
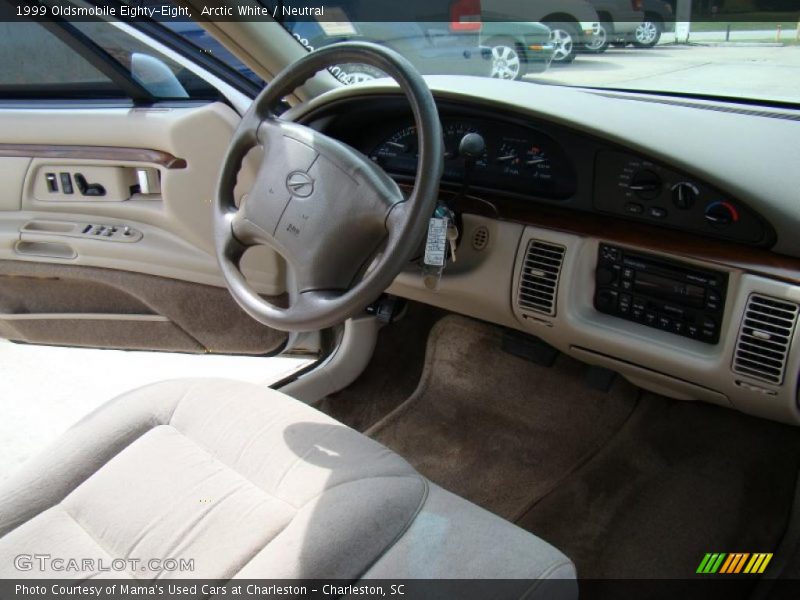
x,y
739,49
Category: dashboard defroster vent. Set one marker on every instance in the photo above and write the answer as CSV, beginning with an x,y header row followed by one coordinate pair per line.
x,y
762,347
538,284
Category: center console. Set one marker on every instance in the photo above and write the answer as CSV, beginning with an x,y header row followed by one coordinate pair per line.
x,y
679,298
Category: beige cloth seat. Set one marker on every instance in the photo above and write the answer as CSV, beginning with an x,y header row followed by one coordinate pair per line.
x,y
249,483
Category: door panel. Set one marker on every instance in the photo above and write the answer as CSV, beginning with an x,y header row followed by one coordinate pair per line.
x,y
86,306
133,267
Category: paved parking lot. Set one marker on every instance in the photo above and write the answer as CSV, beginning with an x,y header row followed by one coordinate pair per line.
x,y
752,70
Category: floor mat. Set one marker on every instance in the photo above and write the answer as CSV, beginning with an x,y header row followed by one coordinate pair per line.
x,y
497,429
679,480
392,374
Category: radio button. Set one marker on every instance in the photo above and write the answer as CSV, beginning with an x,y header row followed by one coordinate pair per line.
x,y
714,300
627,285
625,304
709,323
627,273
638,313
609,253
709,333
639,304
650,317
657,212
634,208
664,322
692,330
678,327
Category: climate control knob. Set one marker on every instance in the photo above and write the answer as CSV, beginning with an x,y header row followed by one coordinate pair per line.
x,y
647,184
721,214
684,195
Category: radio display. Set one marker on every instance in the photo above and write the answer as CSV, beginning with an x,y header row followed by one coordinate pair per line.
x,y
669,289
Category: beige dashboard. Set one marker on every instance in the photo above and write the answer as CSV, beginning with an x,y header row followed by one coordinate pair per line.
x,y
485,281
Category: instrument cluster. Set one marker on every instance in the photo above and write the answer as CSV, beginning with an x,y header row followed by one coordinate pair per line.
x,y
515,159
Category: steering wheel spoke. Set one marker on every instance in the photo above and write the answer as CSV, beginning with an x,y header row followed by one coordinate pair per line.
x,y
324,207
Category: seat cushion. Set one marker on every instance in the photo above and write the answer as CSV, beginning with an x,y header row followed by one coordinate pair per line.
x,y
230,474
248,483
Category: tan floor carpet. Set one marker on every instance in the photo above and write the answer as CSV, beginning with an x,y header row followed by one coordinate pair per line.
x,y
495,428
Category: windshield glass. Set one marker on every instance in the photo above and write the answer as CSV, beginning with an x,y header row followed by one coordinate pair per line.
x,y
740,49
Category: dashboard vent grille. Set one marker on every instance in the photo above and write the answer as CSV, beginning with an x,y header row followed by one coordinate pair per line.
x,y
764,338
538,285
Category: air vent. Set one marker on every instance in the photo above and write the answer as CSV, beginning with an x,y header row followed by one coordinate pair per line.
x,y
764,339
480,238
538,285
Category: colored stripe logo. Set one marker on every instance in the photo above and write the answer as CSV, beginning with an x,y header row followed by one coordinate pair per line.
x,y
734,563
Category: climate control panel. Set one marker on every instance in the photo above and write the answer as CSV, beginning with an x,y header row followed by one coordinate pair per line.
x,y
640,189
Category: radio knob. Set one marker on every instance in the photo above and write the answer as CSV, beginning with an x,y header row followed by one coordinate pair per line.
x,y
606,300
684,195
605,276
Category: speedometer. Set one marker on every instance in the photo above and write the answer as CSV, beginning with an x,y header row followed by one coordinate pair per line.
x,y
398,152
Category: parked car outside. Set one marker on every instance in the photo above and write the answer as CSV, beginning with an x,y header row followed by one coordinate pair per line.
x,y
619,19
434,48
447,32
572,23
659,17
518,48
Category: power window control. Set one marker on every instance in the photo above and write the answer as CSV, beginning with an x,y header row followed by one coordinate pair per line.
x,y
114,233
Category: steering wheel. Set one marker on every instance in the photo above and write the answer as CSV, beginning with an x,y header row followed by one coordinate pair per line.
x,y
340,222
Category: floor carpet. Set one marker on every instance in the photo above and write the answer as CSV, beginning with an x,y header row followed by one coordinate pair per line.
x,y
495,428
392,374
679,480
628,485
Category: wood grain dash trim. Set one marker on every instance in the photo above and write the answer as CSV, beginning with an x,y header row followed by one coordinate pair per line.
x,y
726,254
110,153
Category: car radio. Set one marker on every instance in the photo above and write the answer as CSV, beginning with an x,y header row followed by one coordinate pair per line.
x,y
659,293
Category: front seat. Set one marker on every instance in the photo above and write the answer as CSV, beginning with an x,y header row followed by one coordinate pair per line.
x,y
251,484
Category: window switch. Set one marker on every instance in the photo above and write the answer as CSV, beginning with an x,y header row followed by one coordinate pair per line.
x,y
66,183
52,182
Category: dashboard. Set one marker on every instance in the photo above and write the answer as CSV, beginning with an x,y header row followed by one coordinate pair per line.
x,y
534,161
663,253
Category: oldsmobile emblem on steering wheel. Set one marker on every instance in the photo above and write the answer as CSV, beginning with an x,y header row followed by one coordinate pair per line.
x,y
300,184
